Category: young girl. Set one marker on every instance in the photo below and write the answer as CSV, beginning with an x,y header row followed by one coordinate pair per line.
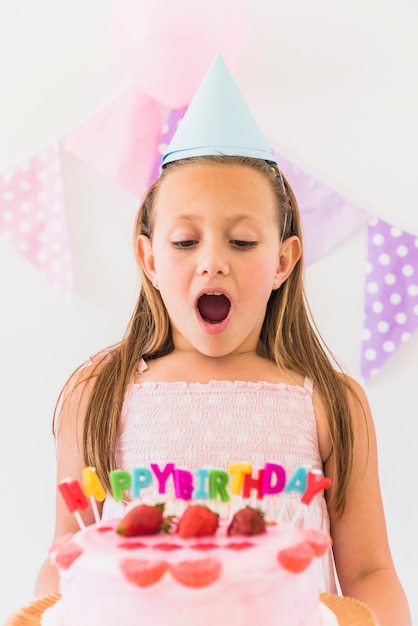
x,y
220,363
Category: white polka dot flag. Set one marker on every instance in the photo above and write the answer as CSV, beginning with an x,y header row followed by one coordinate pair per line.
x,y
32,216
391,294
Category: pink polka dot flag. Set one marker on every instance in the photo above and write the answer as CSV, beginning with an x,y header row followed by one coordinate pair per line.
x,y
32,216
391,294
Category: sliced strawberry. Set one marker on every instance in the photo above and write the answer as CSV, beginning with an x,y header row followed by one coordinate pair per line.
x,y
296,558
142,572
319,541
104,529
167,547
197,521
131,545
141,520
67,553
248,522
204,546
239,545
197,573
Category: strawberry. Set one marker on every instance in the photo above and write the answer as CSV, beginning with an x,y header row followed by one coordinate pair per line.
x,y
296,558
142,572
143,519
66,553
247,521
319,541
197,521
197,573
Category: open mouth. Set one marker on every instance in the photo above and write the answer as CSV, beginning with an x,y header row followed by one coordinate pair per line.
x,y
213,307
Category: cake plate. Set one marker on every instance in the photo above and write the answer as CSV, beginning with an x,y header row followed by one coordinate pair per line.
x,y
349,612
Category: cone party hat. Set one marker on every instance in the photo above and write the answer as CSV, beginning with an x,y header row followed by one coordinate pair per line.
x,y
218,121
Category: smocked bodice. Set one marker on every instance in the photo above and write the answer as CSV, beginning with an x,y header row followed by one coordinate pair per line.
x,y
197,425
194,425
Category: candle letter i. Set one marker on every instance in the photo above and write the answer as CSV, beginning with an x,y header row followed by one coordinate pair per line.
x,y
74,498
93,489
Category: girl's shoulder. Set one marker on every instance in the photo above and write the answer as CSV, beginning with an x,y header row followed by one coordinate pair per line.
x,y
101,357
356,392
86,371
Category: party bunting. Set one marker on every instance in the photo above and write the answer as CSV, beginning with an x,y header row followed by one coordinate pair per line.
x,y
120,141
327,216
32,216
169,128
391,294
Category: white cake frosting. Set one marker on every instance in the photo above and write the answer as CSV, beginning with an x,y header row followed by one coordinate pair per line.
x,y
252,586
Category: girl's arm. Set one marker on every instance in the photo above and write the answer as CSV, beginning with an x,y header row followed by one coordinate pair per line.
x,y
69,465
360,543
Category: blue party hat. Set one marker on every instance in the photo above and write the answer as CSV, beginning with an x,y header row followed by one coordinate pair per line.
x,y
218,121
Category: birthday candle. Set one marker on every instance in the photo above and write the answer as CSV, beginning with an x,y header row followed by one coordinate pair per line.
x,y
93,489
183,484
297,482
274,478
238,471
74,498
218,480
120,481
200,491
316,482
141,478
162,475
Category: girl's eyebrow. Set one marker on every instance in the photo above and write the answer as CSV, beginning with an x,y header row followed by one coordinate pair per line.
x,y
236,218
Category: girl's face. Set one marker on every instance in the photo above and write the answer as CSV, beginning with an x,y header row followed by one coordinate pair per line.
x,y
215,254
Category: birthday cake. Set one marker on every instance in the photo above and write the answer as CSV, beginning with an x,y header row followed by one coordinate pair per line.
x,y
204,571
194,558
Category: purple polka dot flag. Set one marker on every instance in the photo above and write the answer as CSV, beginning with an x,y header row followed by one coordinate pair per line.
x,y
391,294
32,216
328,217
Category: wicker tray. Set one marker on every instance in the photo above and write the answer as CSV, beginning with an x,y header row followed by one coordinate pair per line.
x,y
30,615
349,612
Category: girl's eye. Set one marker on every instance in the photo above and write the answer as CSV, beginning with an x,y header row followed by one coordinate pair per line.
x,y
188,243
238,243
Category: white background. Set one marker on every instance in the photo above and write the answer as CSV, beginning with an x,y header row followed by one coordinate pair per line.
x,y
334,86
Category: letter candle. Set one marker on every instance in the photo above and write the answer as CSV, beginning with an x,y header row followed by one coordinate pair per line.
x,y
93,489
315,483
74,498
204,483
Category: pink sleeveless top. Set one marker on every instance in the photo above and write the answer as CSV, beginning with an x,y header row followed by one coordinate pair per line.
x,y
195,425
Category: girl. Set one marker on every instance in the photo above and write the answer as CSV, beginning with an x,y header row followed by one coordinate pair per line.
x,y
219,247
221,363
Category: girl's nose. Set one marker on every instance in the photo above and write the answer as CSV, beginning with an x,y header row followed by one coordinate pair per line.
x,y
213,261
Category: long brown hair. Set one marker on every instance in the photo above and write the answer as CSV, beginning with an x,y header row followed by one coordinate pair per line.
x,y
288,335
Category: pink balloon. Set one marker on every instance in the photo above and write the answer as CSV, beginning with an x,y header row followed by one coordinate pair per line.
x,y
168,46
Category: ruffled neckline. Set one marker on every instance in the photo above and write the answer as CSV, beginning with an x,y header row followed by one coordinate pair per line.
x,y
220,385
